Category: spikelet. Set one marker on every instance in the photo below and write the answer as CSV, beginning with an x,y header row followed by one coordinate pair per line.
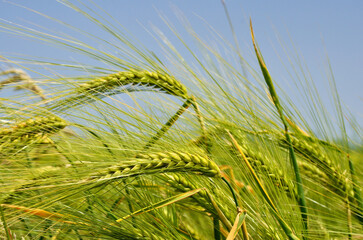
x,y
258,162
313,153
180,183
32,130
154,80
316,174
19,75
159,163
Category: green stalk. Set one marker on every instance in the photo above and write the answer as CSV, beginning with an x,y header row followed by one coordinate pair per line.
x,y
8,237
244,227
169,123
233,194
217,233
300,190
356,190
220,214
202,125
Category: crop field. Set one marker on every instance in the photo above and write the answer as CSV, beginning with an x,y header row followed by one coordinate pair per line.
x,y
138,145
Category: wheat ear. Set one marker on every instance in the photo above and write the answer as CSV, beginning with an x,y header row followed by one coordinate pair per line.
x,y
35,128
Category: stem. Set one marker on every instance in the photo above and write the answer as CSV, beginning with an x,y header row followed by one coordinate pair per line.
x,y
233,194
8,237
202,125
220,214
300,189
244,227
217,233
169,123
356,190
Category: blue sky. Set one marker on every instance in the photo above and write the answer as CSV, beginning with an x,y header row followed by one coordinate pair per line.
x,y
316,28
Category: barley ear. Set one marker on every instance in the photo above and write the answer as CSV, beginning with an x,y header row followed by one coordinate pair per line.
x,y
32,130
18,75
160,162
156,80
288,231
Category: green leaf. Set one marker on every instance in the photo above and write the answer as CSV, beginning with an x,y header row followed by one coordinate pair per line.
x,y
161,204
238,222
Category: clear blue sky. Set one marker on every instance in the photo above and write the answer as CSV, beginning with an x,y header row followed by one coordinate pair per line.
x,y
313,26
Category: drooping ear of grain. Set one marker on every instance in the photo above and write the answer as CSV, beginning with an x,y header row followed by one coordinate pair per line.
x,y
154,80
18,75
259,163
121,82
159,163
181,183
315,155
32,130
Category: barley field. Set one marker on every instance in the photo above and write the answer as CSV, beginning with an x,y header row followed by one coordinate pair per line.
x,y
142,146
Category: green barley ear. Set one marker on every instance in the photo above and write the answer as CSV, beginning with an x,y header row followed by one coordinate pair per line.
x,y
32,130
121,82
18,75
340,186
180,183
258,162
275,99
154,80
287,229
314,154
161,162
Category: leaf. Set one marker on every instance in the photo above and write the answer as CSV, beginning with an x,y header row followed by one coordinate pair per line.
x,y
40,213
162,203
238,222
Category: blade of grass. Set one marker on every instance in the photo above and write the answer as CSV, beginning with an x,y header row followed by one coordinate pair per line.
x,y
8,236
39,212
220,214
238,223
162,203
300,189
169,123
